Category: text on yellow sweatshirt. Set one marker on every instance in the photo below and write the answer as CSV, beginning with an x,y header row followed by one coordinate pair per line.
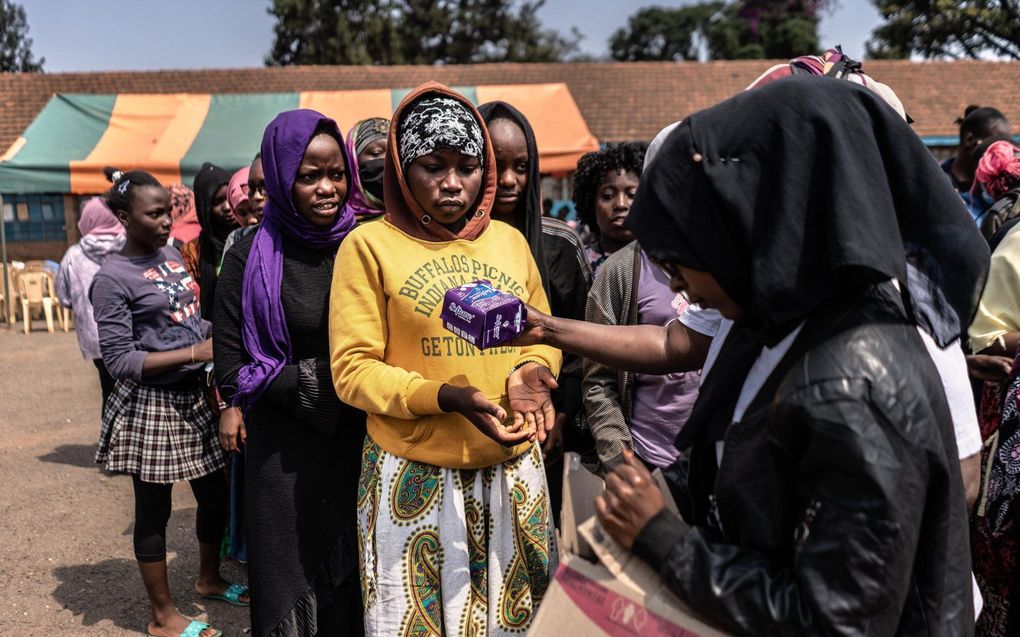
x,y
390,353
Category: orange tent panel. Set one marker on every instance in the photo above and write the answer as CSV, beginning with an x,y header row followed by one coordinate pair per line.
x,y
349,107
76,136
145,132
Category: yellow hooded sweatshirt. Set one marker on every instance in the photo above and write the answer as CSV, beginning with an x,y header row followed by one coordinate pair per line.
x,y
389,351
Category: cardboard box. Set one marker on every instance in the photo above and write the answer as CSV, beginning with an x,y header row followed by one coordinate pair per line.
x,y
617,596
482,315
586,600
580,488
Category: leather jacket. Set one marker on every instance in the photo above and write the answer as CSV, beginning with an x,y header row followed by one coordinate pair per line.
x,y
838,507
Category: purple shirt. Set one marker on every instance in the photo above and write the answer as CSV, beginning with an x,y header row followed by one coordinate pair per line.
x,y
661,404
146,304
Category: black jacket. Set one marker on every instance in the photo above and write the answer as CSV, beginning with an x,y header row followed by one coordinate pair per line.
x,y
838,508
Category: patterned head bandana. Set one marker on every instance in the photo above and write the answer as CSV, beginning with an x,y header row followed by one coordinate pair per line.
x,y
367,131
438,123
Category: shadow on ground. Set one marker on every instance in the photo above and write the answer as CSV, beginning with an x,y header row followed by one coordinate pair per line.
x,y
74,455
96,592
112,589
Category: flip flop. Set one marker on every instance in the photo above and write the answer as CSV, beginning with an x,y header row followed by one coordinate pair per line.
x,y
194,629
232,595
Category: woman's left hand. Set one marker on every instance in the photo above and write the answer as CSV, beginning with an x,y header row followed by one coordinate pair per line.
x,y
630,500
530,401
232,433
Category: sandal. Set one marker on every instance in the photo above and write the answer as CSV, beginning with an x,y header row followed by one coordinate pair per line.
x,y
194,629
232,595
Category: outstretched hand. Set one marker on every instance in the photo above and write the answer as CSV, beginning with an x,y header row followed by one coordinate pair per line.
x,y
534,328
528,388
484,414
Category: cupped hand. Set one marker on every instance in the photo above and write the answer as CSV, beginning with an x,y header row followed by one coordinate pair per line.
x,y
528,388
484,414
630,500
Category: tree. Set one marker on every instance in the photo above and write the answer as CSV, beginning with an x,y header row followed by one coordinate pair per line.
x,y
947,28
657,33
15,45
414,32
334,32
714,29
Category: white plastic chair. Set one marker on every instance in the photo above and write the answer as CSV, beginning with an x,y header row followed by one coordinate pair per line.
x,y
36,289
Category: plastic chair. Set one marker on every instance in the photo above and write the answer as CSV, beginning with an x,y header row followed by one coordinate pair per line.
x,y
52,268
64,315
35,287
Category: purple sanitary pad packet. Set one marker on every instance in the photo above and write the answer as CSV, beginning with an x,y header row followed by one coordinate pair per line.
x,y
482,315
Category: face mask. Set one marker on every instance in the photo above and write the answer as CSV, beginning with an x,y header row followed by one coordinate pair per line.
x,y
371,175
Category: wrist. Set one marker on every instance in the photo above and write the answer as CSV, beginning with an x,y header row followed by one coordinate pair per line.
x,y
521,365
659,536
447,397
551,328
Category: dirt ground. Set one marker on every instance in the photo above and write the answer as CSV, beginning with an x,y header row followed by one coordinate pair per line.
x,y
66,564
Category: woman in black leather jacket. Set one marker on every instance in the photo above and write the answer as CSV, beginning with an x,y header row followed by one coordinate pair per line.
x,y
822,493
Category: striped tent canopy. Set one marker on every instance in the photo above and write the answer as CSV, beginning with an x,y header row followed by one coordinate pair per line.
x,y
74,137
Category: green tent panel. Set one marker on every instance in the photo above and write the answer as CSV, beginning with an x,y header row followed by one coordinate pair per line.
x,y
66,130
232,131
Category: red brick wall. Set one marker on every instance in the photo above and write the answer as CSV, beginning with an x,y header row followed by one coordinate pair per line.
x,y
31,250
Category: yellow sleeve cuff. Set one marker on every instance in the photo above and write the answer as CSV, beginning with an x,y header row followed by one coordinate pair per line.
x,y
423,397
543,355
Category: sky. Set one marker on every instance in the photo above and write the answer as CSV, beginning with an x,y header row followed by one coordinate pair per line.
x,y
108,35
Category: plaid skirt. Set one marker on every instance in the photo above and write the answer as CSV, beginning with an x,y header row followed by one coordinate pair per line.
x,y
161,435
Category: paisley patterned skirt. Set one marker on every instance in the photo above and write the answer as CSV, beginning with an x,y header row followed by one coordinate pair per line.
x,y
449,552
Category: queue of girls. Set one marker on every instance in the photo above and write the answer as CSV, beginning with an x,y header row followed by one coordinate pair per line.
x,y
771,304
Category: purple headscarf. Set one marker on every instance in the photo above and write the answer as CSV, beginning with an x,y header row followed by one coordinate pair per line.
x,y
264,326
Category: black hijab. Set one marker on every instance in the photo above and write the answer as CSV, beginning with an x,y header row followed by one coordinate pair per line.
x,y
808,188
210,247
529,208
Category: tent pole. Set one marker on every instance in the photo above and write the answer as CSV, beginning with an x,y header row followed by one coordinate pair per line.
x,y
3,260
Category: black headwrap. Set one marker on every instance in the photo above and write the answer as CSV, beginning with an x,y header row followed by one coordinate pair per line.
x,y
529,208
438,122
809,187
210,247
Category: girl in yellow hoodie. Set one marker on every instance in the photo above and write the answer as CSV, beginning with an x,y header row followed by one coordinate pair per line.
x,y
454,527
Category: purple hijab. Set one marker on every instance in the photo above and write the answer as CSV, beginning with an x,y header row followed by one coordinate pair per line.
x,y
264,325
